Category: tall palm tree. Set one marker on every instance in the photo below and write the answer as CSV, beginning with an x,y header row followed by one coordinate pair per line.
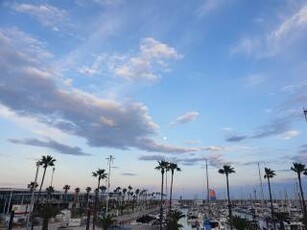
x,y
45,161
129,192
227,169
299,168
66,188
100,174
88,190
172,167
124,193
77,191
162,166
269,173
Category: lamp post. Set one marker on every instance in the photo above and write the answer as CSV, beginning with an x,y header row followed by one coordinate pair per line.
x,y
51,183
110,161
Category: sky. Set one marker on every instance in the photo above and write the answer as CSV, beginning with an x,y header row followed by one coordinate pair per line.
x,y
222,81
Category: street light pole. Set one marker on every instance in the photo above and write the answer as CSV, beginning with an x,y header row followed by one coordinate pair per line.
x,y
110,160
32,195
51,183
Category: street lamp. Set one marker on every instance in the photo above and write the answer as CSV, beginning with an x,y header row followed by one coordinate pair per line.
x,y
305,113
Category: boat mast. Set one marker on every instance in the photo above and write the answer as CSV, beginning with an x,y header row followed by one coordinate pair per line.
x,y
208,200
261,186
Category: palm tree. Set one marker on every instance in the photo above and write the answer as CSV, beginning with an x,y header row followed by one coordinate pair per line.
x,y
174,217
101,175
241,223
299,169
32,186
282,217
66,188
49,191
77,191
162,166
172,167
124,193
45,161
129,192
107,221
268,173
227,169
88,190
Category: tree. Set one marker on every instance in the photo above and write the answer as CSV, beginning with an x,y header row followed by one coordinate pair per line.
x,y
227,169
100,174
299,168
45,161
172,222
268,173
107,221
49,191
66,188
282,217
129,192
240,223
77,191
32,186
162,166
46,212
88,190
172,167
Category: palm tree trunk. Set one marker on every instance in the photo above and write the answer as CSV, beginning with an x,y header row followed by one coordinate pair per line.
x,y
171,193
229,204
161,202
41,185
95,206
302,194
271,200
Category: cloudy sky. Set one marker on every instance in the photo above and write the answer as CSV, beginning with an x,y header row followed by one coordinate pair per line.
x,y
186,81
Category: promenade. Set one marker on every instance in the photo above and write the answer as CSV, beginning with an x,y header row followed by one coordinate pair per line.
x,y
127,221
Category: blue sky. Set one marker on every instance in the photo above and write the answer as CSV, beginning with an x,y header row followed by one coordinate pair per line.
x,y
186,81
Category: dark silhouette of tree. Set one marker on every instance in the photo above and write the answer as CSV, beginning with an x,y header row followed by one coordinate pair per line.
x,y
299,168
49,191
100,174
66,188
281,217
173,220
88,190
162,167
32,186
172,167
45,161
268,174
227,169
240,223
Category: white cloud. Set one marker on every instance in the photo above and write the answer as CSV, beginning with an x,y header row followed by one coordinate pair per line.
x,y
289,134
47,15
187,117
151,59
278,39
209,6
33,91
295,22
254,80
